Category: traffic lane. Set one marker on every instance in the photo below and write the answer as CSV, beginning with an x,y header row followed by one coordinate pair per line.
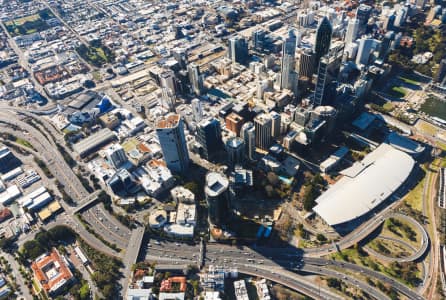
x,y
107,217
106,232
290,280
344,265
348,279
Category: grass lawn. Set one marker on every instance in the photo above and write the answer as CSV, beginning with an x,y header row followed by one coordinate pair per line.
x,y
408,80
401,234
442,146
397,91
426,127
388,106
24,143
353,256
35,286
97,76
389,248
21,21
415,197
101,53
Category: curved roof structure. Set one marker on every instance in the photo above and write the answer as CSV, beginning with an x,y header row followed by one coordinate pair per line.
x,y
365,185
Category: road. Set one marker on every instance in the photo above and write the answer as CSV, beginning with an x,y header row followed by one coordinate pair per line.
x,y
24,290
173,253
131,257
429,205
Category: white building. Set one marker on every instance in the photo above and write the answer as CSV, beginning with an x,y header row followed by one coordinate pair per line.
x,y
182,195
116,155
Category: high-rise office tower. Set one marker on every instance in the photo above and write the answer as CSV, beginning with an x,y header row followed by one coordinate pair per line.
x,y
363,14
167,80
248,134
197,110
288,76
319,89
234,123
116,155
263,125
258,38
276,123
170,131
352,31
209,137
235,147
366,46
238,50
327,75
178,30
262,86
217,197
385,44
401,16
323,40
167,99
441,73
306,64
180,56
195,78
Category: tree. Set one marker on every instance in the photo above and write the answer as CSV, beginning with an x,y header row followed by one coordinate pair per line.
x,y
5,243
273,179
84,292
310,195
192,186
32,249
321,238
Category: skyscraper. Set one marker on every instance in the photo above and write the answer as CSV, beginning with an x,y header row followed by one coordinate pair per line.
x,y
306,64
276,123
238,50
170,133
235,147
327,74
181,57
366,46
197,110
352,31
167,80
209,137
217,197
248,134
288,76
323,40
263,126
363,14
386,44
258,38
319,90
116,155
167,99
195,78
441,73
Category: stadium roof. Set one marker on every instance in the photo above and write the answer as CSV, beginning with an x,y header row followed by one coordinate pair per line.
x,y
365,185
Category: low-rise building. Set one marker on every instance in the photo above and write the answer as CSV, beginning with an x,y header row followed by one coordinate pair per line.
x,y
52,272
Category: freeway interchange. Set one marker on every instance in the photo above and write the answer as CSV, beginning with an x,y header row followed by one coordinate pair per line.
x,y
272,260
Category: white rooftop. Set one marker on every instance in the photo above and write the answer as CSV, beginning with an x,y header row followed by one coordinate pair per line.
x,y
365,185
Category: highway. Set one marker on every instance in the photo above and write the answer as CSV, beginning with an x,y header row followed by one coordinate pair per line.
x,y
424,240
429,205
290,258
